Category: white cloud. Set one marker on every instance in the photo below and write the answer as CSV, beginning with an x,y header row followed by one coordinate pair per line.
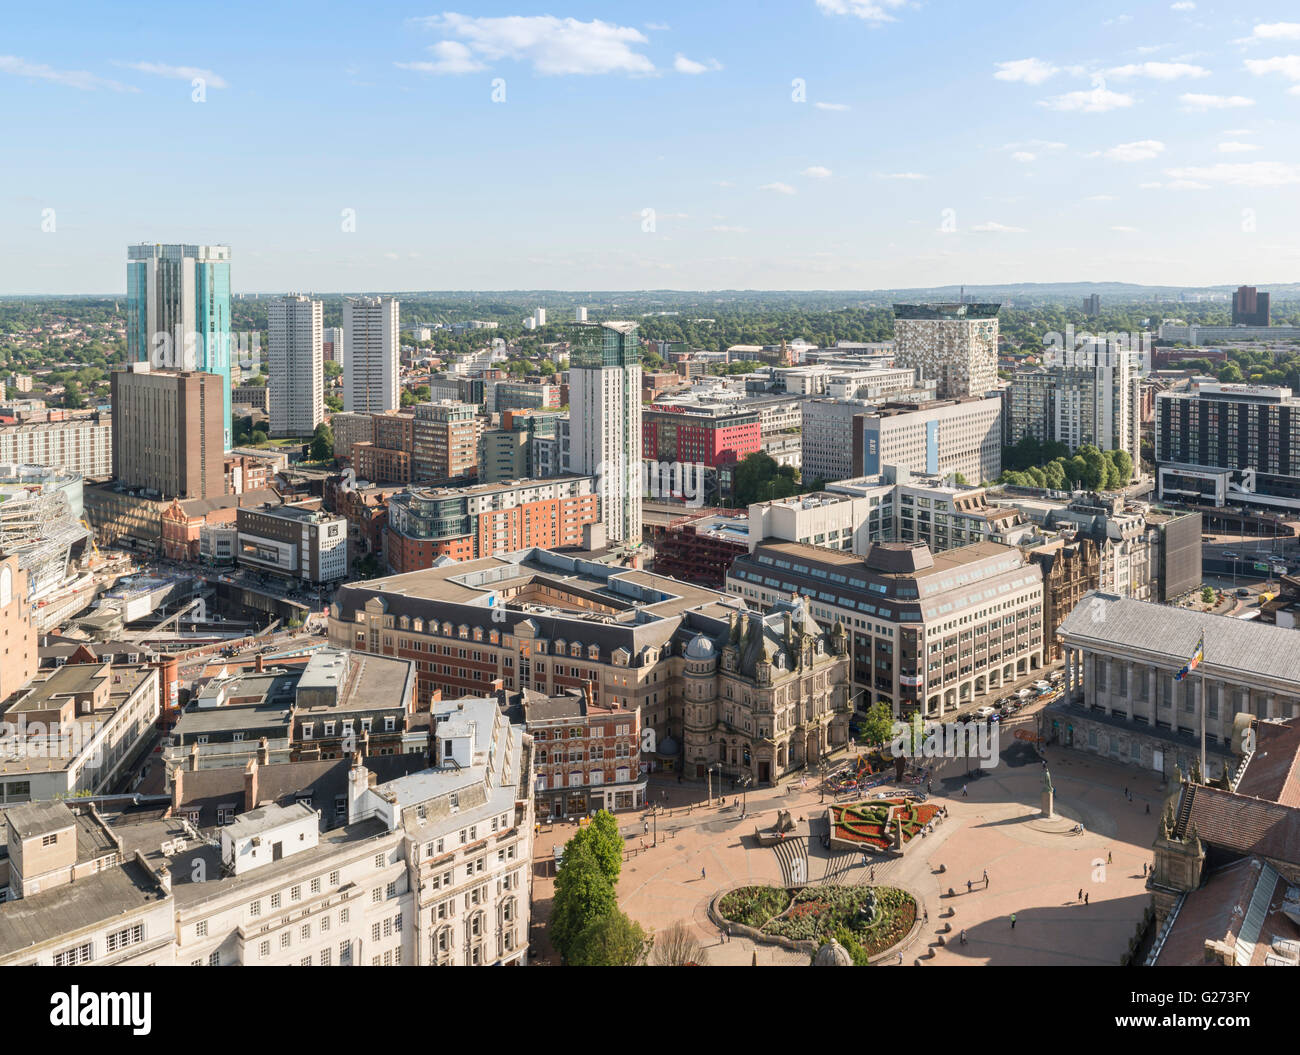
x,y
1119,20
817,172
684,65
82,79
1287,65
552,46
1179,184
1238,131
726,183
1142,150
1158,71
1241,173
831,106
1183,5
1194,101
450,56
997,228
1095,101
183,73
1235,147
1100,197
867,10
1024,156
1123,228
1277,31
902,175
1025,71
779,188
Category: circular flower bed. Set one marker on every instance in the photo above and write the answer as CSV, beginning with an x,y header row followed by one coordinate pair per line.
x,y
866,920
753,906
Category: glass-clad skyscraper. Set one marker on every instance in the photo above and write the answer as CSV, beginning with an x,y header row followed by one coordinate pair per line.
x,y
178,310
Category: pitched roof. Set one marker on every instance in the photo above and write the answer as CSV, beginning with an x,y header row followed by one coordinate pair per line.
x,y
1231,645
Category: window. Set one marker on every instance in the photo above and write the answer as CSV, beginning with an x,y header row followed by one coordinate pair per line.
x,y
315,885
285,939
50,840
324,924
275,901
264,950
255,909
214,960
201,928
295,893
380,860
376,896
334,879
343,915
122,939
391,890
305,932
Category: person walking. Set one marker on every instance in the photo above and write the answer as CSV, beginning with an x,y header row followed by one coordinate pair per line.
x,y
963,935
645,827
968,886
701,873
1079,897
1108,857
1085,897
964,793
986,879
1013,921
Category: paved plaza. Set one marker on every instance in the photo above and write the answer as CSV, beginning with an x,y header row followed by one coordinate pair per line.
x,y
1036,874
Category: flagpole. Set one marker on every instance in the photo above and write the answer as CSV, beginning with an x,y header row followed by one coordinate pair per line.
x,y
1205,773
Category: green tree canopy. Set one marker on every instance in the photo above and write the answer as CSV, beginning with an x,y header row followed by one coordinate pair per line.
x,y
610,941
584,894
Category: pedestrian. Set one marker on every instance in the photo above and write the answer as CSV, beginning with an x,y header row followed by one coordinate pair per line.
x,y
968,886
900,959
964,793
925,918
986,878
1126,791
1144,869
701,873
929,787
963,935
1013,921
1085,897
645,827
1108,857
1079,897
873,873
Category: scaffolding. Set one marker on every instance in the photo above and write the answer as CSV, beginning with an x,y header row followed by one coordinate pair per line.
x,y
39,526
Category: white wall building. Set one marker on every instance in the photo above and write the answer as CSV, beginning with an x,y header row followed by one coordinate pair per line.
x,y
297,379
371,368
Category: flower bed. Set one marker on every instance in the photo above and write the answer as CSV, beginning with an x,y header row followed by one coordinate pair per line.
x,y
753,906
865,822
868,766
817,914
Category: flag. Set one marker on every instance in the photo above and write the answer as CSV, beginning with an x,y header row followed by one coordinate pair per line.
x,y
1195,661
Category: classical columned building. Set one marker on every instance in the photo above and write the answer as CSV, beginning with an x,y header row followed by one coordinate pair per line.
x,y
1124,700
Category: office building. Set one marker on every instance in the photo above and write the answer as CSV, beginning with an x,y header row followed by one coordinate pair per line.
x,y
371,368
1222,444
605,421
694,434
927,632
1092,305
297,380
294,542
580,314
445,443
167,432
178,312
72,730
955,344
388,457
469,522
18,657
350,429
82,444
1250,307
755,695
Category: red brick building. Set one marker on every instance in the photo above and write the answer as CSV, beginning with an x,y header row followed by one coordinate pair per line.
x,y
713,436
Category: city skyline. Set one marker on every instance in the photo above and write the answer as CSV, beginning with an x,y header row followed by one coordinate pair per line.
x,y
754,153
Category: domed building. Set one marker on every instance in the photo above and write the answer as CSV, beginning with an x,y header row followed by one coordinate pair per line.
x,y
832,954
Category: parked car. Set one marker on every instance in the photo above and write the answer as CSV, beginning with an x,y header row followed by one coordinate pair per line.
x,y
1242,591
1057,675
1231,554
1024,694
984,713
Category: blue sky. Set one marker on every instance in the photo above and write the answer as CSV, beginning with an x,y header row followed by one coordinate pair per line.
x,y
935,142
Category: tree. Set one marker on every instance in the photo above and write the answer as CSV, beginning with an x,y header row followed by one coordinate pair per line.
x,y
1123,462
259,437
610,941
606,842
583,895
334,404
1207,595
1230,373
547,368
333,369
878,728
72,397
678,947
758,478
322,443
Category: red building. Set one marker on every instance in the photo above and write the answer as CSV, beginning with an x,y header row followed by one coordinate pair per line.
x,y
700,549
712,436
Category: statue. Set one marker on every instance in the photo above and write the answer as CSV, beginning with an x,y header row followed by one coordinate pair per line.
x,y
1047,779
1046,801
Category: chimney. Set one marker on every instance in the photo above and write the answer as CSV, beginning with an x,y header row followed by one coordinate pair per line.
x,y
258,665
178,792
435,696
194,758
250,785
165,879
587,694
263,752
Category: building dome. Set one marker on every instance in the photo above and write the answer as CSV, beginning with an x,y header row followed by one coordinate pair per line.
x,y
832,954
699,648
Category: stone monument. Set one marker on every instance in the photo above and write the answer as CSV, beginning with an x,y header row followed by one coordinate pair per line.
x,y
1047,796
